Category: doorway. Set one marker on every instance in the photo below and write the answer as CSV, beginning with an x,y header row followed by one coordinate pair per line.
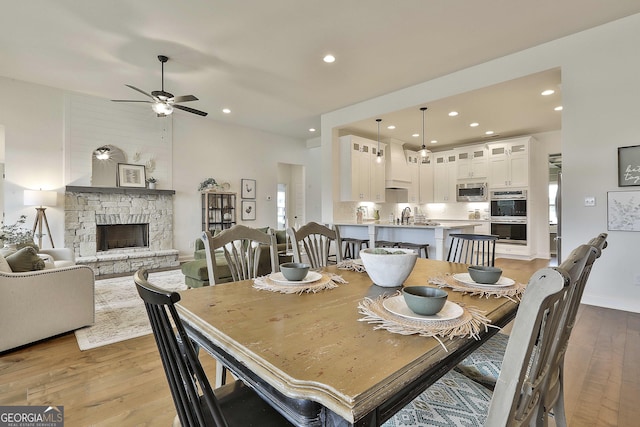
x,y
555,201
290,201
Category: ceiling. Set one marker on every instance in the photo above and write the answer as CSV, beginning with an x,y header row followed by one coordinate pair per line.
x,y
263,59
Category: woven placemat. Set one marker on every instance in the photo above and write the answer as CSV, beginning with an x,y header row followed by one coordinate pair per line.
x,y
470,324
513,292
349,264
328,281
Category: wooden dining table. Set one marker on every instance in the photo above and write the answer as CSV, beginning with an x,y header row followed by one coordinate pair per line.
x,y
314,361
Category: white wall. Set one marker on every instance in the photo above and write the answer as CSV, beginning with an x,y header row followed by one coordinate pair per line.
x,y
600,88
204,148
33,117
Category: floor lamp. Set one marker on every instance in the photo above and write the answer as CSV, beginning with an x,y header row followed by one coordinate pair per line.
x,y
42,199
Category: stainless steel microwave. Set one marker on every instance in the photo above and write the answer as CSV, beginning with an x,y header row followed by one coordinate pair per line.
x,y
471,192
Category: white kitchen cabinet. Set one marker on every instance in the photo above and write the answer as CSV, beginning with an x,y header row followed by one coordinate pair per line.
x,y
426,180
377,171
361,176
413,165
444,176
509,163
473,162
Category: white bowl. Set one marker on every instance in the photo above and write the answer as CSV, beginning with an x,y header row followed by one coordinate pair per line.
x,y
388,270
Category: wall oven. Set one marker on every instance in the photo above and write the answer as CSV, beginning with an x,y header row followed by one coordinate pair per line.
x,y
509,216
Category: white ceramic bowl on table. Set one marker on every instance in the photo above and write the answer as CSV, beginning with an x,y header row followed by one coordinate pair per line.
x,y
390,267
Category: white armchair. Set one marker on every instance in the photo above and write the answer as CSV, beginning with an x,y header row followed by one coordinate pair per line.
x,y
62,257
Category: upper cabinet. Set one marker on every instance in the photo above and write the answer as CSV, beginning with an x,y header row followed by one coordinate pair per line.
x,y
473,162
426,180
445,174
362,177
413,165
509,163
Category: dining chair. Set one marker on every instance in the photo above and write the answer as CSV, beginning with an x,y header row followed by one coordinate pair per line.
x,y
241,248
197,404
476,249
485,363
527,376
315,241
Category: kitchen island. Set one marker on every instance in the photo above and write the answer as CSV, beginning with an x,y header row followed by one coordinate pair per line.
x,y
437,236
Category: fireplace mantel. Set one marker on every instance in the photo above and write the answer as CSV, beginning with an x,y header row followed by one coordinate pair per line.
x,y
117,190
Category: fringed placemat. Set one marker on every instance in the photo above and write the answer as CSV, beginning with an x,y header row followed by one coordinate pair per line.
x,y
513,292
349,264
469,324
328,281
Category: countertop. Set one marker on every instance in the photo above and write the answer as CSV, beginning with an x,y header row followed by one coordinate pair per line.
x,y
443,225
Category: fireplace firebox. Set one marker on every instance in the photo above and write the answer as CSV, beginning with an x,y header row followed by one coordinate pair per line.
x,y
120,236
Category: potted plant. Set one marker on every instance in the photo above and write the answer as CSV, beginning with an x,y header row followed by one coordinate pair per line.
x,y
151,182
14,234
208,183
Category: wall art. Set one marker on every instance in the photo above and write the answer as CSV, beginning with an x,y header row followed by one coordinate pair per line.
x,y
248,210
131,175
623,210
629,166
248,188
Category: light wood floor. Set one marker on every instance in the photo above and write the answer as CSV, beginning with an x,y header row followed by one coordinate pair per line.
x,y
124,384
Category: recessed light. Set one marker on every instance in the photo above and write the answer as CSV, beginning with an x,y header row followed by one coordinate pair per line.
x,y
312,129
474,124
453,113
329,59
434,141
547,92
391,127
489,132
226,110
558,108
415,135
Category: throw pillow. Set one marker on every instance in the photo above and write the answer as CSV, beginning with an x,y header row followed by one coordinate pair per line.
x,y
281,236
26,259
4,265
265,230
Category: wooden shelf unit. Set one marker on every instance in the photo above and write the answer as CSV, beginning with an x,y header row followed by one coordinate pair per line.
x,y
218,210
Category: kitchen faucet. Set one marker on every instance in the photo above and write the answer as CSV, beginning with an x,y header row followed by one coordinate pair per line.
x,y
406,213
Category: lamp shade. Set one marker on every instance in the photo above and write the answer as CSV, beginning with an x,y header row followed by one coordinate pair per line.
x,y
40,198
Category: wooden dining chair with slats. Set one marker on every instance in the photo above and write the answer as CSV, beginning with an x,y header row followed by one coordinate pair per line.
x,y
197,404
241,248
476,249
527,381
485,363
315,241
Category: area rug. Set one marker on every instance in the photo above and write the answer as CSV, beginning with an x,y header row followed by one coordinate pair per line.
x,y
120,313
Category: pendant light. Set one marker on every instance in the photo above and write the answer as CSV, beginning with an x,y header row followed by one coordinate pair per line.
x,y
378,156
423,150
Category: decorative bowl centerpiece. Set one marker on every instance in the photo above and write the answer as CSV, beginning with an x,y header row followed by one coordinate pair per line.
x,y
424,300
294,271
388,268
485,274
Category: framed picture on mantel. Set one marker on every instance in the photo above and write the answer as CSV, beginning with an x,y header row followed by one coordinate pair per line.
x,y
131,175
629,166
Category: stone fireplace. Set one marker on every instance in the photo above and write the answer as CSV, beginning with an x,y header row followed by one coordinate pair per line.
x,y
118,230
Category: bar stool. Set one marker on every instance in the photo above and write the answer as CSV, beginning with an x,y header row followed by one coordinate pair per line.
x,y
386,244
353,246
417,246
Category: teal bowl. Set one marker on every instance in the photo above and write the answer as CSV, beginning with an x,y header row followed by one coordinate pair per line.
x,y
424,300
294,271
484,274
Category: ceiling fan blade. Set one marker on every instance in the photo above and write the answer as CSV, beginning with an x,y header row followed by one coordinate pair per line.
x,y
141,91
190,110
130,100
185,98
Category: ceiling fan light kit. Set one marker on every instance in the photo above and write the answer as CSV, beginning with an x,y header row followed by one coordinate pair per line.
x,y
164,102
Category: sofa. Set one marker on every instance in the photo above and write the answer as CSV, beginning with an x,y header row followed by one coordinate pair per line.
x,y
35,305
196,274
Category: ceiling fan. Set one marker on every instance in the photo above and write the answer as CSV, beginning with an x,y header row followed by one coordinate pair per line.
x,y
163,102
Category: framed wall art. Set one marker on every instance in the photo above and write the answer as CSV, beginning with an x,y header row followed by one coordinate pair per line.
x,y
131,175
248,210
248,188
623,210
629,166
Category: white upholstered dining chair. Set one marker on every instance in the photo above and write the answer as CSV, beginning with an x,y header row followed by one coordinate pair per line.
x,y
527,377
